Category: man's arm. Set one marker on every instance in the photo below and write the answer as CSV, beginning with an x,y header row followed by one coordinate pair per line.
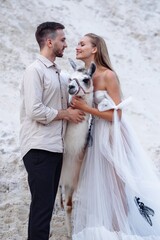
x,y
33,92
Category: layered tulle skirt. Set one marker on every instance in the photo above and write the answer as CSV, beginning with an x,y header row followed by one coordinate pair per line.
x,y
118,195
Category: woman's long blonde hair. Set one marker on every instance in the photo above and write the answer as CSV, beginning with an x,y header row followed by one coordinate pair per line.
x,y
101,56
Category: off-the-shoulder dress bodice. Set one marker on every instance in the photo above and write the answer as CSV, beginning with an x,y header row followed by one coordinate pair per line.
x,y
104,102
99,95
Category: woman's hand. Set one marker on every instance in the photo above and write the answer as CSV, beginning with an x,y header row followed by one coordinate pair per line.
x,y
79,103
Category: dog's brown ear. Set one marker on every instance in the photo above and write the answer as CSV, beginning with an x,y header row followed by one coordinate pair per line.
x,y
73,64
92,69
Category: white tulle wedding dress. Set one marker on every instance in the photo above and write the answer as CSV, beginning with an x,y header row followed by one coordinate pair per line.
x,y
118,195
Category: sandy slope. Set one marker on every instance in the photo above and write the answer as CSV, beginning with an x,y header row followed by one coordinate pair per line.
x,y
131,30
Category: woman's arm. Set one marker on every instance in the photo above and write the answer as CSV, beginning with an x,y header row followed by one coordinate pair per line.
x,y
82,105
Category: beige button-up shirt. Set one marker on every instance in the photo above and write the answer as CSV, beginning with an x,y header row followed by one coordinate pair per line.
x,y
43,93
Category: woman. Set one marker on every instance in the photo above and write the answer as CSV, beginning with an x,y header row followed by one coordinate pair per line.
x,y
118,191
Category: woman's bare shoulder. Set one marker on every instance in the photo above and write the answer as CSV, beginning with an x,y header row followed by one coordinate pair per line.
x,y
110,78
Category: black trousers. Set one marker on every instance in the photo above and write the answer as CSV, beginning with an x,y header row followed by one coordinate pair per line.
x,y
44,170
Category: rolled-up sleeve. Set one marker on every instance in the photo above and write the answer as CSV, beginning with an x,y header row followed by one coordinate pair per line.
x,y
33,92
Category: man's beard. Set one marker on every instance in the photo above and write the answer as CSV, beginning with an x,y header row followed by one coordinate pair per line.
x,y
59,54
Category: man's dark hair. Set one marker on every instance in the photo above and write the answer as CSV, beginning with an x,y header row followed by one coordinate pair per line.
x,y
45,29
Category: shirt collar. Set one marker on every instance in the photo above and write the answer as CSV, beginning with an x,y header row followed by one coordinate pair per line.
x,y
47,62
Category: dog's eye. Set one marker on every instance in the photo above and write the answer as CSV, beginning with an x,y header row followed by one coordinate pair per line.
x,y
69,80
86,80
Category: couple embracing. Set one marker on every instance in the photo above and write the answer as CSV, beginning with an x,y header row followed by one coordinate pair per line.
x,y
117,187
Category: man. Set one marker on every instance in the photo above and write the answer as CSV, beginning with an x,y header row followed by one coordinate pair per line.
x,y
43,116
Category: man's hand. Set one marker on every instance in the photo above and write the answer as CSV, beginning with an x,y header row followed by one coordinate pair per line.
x,y
70,114
75,115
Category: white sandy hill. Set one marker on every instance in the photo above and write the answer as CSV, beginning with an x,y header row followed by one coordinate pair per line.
x,y
131,30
